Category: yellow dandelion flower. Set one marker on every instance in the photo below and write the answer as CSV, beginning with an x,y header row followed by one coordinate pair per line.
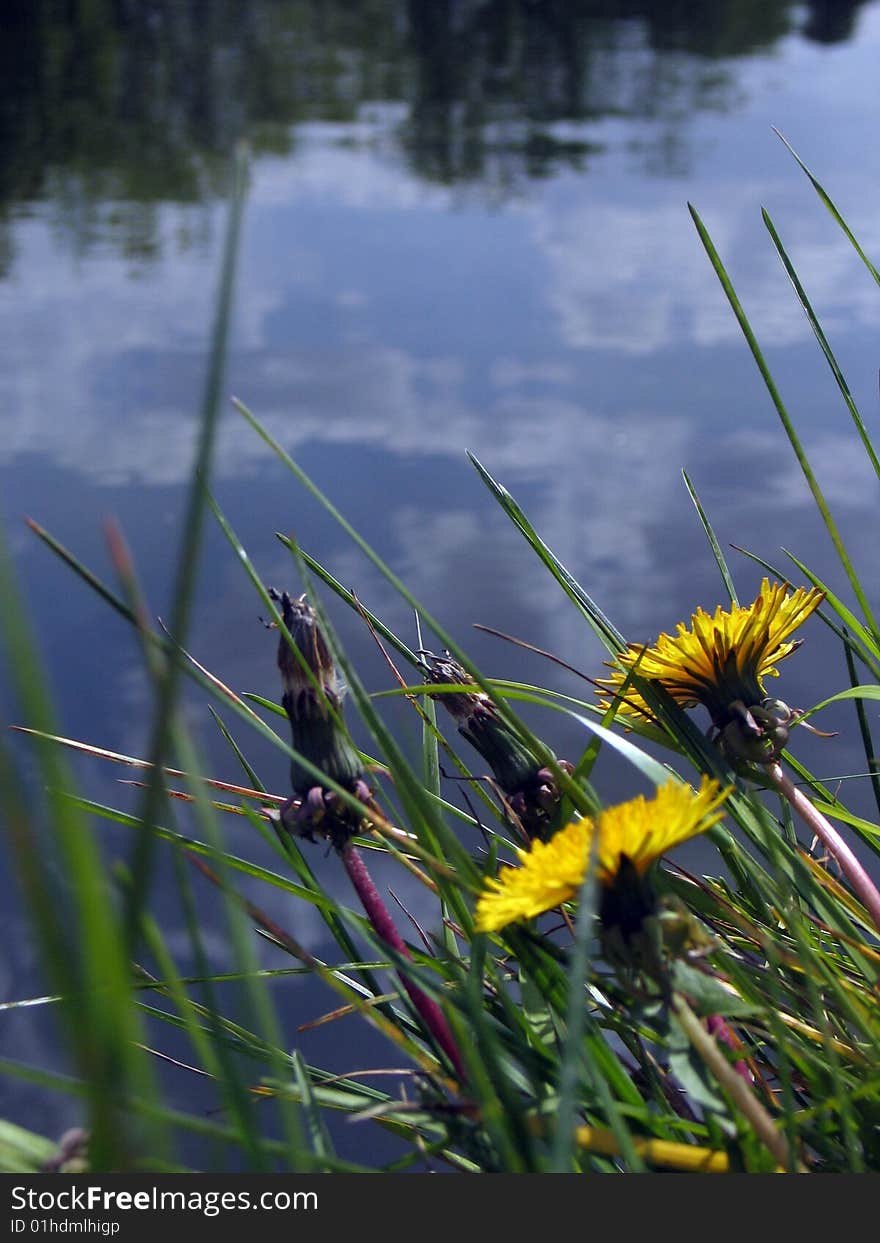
x,y
644,829
550,873
639,831
721,659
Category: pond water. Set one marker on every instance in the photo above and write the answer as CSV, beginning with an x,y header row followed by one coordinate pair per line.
x,y
465,228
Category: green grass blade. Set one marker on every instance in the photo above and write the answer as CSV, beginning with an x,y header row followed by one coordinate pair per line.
x,y
350,599
646,764
565,1114
835,214
713,540
22,1151
866,645
823,343
871,756
853,692
868,640
151,1109
249,771
211,1050
319,1137
188,555
253,986
500,1109
510,719
604,628
77,926
794,440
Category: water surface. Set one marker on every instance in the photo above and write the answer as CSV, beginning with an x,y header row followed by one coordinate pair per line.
x,y
466,227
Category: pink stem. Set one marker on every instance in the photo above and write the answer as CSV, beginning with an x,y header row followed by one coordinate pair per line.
x,y
718,1028
863,886
377,912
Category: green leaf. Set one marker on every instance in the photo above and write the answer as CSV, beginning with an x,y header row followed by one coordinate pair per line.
x,y
707,995
854,692
647,766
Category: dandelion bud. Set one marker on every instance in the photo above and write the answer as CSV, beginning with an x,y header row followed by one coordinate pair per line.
x,y
313,694
314,663
531,788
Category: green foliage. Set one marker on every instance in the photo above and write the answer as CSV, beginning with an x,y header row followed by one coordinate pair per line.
x,y
744,1035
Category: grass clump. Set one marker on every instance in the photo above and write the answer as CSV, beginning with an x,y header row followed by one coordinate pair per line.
x,y
578,1002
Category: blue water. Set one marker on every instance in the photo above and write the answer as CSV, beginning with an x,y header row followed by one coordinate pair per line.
x,y
441,251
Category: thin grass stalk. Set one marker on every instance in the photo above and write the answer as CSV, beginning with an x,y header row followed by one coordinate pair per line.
x,y
81,939
829,204
210,1047
794,440
514,723
823,344
563,1147
864,728
255,989
720,559
184,589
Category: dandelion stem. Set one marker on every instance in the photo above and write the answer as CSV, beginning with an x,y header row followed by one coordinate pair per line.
x,y
736,1087
862,885
660,1152
386,930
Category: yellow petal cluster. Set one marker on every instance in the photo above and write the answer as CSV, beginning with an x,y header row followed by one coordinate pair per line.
x,y
641,830
720,657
